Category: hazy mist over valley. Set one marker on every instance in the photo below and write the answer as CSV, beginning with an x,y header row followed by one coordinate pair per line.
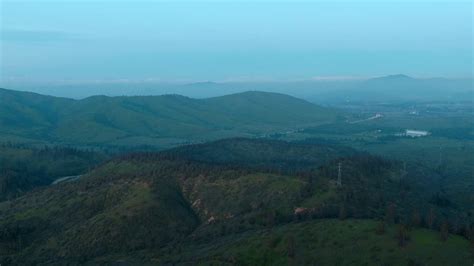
x,y
323,90
236,132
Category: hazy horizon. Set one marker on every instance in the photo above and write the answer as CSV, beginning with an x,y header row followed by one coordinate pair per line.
x,y
49,42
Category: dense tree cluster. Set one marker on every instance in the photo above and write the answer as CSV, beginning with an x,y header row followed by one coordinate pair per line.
x,y
160,200
26,167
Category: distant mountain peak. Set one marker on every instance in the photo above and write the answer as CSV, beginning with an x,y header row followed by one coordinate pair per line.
x,y
253,94
394,77
202,83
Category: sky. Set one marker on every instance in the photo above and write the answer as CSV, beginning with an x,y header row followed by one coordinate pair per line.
x,y
232,40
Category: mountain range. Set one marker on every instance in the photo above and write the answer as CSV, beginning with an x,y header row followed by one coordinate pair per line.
x,y
152,120
393,88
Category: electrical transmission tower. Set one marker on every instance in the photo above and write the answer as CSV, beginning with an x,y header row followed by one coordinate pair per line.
x,y
339,174
440,157
403,173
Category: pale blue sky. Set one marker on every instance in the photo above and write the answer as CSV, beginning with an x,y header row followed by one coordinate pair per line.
x,y
92,40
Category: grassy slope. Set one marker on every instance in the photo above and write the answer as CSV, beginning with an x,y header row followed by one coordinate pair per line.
x,y
327,242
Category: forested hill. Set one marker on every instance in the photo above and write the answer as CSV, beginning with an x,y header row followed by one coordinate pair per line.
x,y
274,155
158,120
168,209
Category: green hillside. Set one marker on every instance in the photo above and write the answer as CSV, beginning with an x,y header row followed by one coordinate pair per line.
x,y
30,115
372,182
159,121
111,210
168,208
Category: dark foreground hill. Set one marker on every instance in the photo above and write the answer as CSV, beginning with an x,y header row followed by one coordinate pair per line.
x,y
171,208
161,121
261,154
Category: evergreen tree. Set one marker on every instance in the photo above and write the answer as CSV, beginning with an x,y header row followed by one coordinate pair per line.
x,y
402,235
444,231
390,214
430,218
416,219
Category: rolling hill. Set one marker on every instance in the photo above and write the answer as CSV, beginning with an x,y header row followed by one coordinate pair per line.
x,y
151,120
178,207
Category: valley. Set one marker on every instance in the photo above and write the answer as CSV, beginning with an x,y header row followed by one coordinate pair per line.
x,y
272,185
